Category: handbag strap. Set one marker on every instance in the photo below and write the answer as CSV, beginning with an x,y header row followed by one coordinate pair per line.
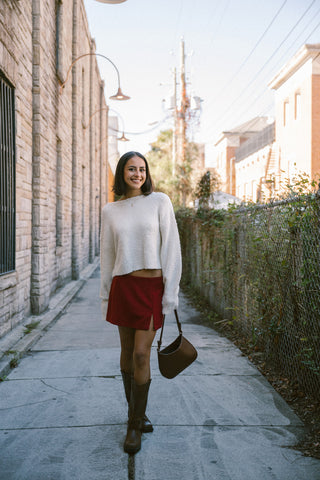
x,y
178,325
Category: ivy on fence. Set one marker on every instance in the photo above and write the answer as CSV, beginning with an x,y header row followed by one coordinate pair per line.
x,y
259,267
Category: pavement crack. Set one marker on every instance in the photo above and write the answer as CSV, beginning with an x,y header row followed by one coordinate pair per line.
x,y
26,404
131,467
54,388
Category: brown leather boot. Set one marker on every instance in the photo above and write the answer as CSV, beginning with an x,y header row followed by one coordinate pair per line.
x,y
137,408
146,425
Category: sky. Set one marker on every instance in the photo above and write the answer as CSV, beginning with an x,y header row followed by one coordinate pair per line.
x,y
233,49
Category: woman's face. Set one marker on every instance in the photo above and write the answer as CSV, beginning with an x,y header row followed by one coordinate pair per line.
x,y
134,175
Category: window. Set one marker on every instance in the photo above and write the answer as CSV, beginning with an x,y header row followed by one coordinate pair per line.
x,y
285,113
59,201
83,99
297,106
59,38
8,178
82,201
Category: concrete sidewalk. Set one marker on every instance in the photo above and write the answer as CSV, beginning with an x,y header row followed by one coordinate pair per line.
x,y
63,410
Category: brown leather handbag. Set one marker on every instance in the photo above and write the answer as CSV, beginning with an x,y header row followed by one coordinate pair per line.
x,y
177,356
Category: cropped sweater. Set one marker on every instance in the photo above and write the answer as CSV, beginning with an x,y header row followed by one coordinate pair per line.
x,y
141,233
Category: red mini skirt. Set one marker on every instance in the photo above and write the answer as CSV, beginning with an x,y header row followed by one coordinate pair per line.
x,y
134,300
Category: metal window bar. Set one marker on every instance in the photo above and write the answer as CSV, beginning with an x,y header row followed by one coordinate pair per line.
x,y
7,178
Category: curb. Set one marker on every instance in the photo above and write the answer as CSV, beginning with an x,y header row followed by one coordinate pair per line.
x,y
16,344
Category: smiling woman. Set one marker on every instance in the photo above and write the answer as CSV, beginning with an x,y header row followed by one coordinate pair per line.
x,y
140,276
132,166
134,176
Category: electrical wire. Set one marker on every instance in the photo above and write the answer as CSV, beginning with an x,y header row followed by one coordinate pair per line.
x,y
234,76
227,3
262,113
143,131
266,63
280,61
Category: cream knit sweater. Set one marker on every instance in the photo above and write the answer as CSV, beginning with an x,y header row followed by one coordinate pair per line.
x,y
140,233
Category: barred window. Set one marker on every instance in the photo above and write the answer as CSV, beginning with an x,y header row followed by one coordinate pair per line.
x,y
59,39
7,177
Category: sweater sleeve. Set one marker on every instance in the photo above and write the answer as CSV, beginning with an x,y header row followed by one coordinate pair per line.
x,y
107,260
170,255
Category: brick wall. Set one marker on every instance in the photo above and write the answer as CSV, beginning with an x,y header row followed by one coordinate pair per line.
x,y
61,160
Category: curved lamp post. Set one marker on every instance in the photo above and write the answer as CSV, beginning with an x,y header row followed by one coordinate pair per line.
x,y
94,113
123,138
118,96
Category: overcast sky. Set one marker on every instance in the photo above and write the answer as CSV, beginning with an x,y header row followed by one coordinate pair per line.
x,y
233,49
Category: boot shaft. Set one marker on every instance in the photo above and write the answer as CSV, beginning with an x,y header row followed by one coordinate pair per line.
x,y
139,400
127,380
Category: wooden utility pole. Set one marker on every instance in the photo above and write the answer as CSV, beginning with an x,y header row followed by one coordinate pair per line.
x,y
182,122
174,132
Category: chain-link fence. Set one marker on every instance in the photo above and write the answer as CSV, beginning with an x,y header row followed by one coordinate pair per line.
x,y
259,267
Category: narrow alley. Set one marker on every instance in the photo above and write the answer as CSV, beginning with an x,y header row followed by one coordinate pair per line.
x,y
63,410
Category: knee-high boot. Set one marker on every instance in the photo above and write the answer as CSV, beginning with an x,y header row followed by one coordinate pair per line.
x,y
127,378
137,408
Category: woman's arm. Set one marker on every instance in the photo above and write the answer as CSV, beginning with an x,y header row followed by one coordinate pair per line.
x,y
170,255
107,259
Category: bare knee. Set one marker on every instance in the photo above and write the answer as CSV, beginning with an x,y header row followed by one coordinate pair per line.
x,y
141,358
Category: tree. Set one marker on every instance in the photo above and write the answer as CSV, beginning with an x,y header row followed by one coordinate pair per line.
x,y
180,186
208,183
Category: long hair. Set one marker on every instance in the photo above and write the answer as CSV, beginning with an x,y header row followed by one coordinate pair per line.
x,y
119,186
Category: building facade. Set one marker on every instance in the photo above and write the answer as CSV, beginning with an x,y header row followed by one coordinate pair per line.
x,y
226,148
256,160
54,130
297,102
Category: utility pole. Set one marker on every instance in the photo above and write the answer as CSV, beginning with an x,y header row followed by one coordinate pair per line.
x,y
182,122
174,132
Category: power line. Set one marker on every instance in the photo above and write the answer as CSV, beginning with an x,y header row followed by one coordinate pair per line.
x,y
160,122
227,3
266,63
250,54
267,109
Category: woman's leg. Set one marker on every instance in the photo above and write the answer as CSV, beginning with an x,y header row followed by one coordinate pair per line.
x,y
141,354
140,387
127,336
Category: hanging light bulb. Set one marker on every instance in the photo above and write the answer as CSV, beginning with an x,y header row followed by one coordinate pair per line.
x,y
123,138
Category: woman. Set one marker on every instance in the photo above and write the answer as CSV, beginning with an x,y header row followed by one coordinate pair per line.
x,y
140,275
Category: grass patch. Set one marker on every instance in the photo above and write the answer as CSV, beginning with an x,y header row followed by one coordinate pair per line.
x,y
10,352
31,326
13,362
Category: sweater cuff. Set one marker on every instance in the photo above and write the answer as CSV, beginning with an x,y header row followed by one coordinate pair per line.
x,y
169,306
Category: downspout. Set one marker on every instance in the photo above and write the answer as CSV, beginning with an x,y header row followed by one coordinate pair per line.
x,y
91,160
75,213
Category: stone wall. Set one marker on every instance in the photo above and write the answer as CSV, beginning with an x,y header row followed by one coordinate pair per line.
x,y
61,149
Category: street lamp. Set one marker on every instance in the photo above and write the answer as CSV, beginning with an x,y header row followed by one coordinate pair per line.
x,y
123,138
118,96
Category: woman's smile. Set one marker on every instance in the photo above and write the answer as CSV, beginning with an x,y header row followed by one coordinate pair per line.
x,y
134,175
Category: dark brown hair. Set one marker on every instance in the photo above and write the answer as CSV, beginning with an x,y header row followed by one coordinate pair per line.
x,y
120,187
